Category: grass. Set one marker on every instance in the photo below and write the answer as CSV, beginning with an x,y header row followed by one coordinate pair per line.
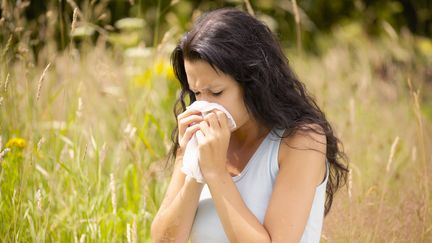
x,y
96,124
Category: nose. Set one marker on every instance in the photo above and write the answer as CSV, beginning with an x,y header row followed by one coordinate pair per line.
x,y
205,97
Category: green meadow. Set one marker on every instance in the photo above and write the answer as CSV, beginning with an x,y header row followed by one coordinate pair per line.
x,y
85,130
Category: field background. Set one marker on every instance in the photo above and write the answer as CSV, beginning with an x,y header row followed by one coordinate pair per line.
x,y
86,97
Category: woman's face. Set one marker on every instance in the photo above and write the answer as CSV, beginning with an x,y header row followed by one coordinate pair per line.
x,y
216,87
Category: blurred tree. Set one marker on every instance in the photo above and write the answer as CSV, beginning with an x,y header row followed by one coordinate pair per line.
x,y
316,17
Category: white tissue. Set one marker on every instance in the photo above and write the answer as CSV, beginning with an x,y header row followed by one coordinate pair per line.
x,y
190,165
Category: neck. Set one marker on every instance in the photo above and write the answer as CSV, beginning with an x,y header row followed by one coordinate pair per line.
x,y
248,134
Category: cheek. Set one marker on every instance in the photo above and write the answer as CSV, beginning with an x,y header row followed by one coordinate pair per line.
x,y
234,103
239,112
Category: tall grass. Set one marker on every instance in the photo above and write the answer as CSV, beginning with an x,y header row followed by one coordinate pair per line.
x,y
84,135
362,84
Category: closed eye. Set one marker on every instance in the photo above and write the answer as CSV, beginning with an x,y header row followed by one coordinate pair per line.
x,y
217,94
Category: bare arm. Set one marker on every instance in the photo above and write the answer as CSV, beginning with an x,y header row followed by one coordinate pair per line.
x,y
289,207
174,219
300,171
239,223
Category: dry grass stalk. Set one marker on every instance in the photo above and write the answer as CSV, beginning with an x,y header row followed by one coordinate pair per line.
x,y
23,5
297,20
392,152
80,107
102,154
130,131
4,5
8,44
82,239
134,232
174,2
128,233
38,197
74,5
422,145
3,153
85,152
6,82
14,197
74,19
76,9
385,188
113,194
40,143
414,153
102,17
42,170
249,8
424,211
41,81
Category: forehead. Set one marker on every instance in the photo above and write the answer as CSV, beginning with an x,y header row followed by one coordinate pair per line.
x,y
202,75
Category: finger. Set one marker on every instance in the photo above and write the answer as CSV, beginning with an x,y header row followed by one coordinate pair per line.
x,y
190,131
188,121
211,118
188,112
223,120
204,127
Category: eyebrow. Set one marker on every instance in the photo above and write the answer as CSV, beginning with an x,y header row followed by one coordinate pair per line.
x,y
208,88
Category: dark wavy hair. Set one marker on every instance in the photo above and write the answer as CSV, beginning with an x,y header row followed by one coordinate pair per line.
x,y
241,46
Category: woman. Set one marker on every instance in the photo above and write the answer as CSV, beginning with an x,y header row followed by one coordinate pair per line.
x,y
273,178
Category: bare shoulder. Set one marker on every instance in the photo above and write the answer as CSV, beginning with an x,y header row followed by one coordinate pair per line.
x,y
305,139
301,170
304,150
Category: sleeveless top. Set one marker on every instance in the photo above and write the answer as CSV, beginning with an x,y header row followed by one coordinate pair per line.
x,y
255,184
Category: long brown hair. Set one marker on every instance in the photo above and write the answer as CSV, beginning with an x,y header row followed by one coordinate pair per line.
x,y
241,46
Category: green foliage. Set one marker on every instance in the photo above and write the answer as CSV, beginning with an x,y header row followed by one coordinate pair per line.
x,y
54,19
83,144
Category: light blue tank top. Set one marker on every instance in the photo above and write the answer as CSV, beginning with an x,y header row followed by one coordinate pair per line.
x,y
255,184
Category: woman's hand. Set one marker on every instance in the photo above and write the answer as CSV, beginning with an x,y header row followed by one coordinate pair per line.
x,y
188,124
213,140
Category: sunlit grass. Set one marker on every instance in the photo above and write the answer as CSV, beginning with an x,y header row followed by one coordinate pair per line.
x,y
85,132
